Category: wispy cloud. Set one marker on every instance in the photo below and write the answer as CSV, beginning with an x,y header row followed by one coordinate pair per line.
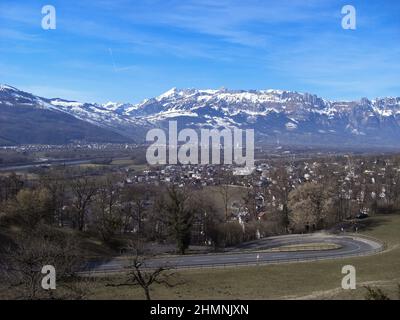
x,y
20,12
18,35
239,22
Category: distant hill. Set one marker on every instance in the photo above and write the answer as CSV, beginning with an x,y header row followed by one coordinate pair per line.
x,y
24,123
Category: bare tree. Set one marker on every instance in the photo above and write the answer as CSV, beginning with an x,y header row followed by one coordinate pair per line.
x,y
208,219
157,222
224,192
22,262
179,216
250,203
144,272
10,186
83,191
310,206
135,200
54,182
106,209
392,186
29,208
280,189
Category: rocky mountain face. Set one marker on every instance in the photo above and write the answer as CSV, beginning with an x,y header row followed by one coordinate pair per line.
x,y
290,117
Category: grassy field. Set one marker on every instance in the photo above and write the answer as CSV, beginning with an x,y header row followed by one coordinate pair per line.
x,y
308,280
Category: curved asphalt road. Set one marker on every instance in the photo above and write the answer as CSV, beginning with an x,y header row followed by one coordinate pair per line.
x,y
251,253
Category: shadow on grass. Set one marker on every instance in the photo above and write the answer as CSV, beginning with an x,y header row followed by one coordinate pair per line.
x,y
372,223
361,225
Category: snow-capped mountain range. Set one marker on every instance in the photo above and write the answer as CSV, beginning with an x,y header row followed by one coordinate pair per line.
x,y
291,117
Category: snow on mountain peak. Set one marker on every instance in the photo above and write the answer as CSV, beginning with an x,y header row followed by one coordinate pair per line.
x,y
4,87
168,94
112,105
65,103
266,110
274,91
236,96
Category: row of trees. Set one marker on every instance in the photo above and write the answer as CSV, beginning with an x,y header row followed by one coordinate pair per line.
x,y
335,190
319,193
108,208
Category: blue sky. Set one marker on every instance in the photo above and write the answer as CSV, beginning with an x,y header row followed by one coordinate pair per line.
x,y
126,51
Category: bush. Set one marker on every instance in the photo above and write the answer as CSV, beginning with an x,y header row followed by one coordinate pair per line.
x,y
375,294
232,233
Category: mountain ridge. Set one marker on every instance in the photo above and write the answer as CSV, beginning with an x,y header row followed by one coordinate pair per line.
x,y
291,116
